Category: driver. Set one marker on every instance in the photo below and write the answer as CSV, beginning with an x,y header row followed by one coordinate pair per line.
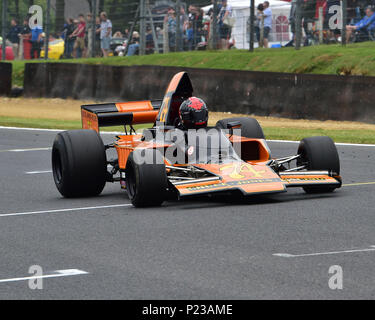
x,y
193,114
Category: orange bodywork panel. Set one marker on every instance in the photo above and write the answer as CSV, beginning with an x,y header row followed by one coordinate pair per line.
x,y
89,120
237,175
299,181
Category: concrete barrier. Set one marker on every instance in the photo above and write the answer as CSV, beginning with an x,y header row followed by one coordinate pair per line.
x,y
322,97
5,78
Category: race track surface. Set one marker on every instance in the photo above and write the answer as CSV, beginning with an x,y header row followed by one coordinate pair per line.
x,y
219,248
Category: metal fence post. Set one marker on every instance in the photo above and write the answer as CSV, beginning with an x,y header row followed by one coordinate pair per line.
x,y
343,18
142,28
3,31
46,43
261,33
178,24
93,29
214,26
298,24
320,24
251,26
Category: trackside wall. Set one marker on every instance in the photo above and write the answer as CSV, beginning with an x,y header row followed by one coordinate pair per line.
x,y
321,97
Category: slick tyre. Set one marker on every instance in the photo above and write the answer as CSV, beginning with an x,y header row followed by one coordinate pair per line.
x,y
146,183
319,153
79,163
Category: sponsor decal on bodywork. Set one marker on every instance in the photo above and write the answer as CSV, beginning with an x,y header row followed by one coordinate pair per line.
x,y
232,184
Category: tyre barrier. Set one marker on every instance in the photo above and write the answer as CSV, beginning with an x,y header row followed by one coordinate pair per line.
x,y
5,78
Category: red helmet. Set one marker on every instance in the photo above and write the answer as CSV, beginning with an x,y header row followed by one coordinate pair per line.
x,y
194,113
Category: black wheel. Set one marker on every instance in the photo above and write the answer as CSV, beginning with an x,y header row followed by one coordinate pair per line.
x,y
79,163
250,127
146,183
319,153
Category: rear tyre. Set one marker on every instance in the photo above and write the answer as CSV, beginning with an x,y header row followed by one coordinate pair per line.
x,y
319,153
79,163
146,184
250,127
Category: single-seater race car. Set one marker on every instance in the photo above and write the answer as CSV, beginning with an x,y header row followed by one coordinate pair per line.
x,y
165,162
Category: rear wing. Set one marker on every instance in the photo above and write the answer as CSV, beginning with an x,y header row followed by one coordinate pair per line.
x,y
114,114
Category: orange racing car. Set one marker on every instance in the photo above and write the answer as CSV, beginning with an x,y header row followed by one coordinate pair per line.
x,y
170,161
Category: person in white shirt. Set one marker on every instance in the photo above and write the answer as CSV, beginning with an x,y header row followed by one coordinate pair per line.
x,y
105,33
267,13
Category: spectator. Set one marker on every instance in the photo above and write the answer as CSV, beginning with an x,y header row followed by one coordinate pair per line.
x,y
267,13
195,17
134,44
14,37
79,34
105,33
189,36
365,27
25,35
171,20
126,33
149,41
36,42
117,34
69,41
224,27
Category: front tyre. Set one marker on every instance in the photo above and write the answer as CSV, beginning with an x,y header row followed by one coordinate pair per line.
x,y
319,153
146,183
79,163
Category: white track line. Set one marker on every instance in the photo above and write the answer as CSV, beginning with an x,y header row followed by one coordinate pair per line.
x,y
288,255
39,172
54,274
27,150
63,210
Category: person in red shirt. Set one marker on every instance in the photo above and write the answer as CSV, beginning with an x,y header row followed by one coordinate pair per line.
x,y
79,32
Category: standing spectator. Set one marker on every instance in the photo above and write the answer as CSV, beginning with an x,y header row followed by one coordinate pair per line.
x,y
105,33
267,13
171,21
79,34
195,17
292,22
36,42
149,41
25,35
224,28
13,36
69,41
258,21
189,36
